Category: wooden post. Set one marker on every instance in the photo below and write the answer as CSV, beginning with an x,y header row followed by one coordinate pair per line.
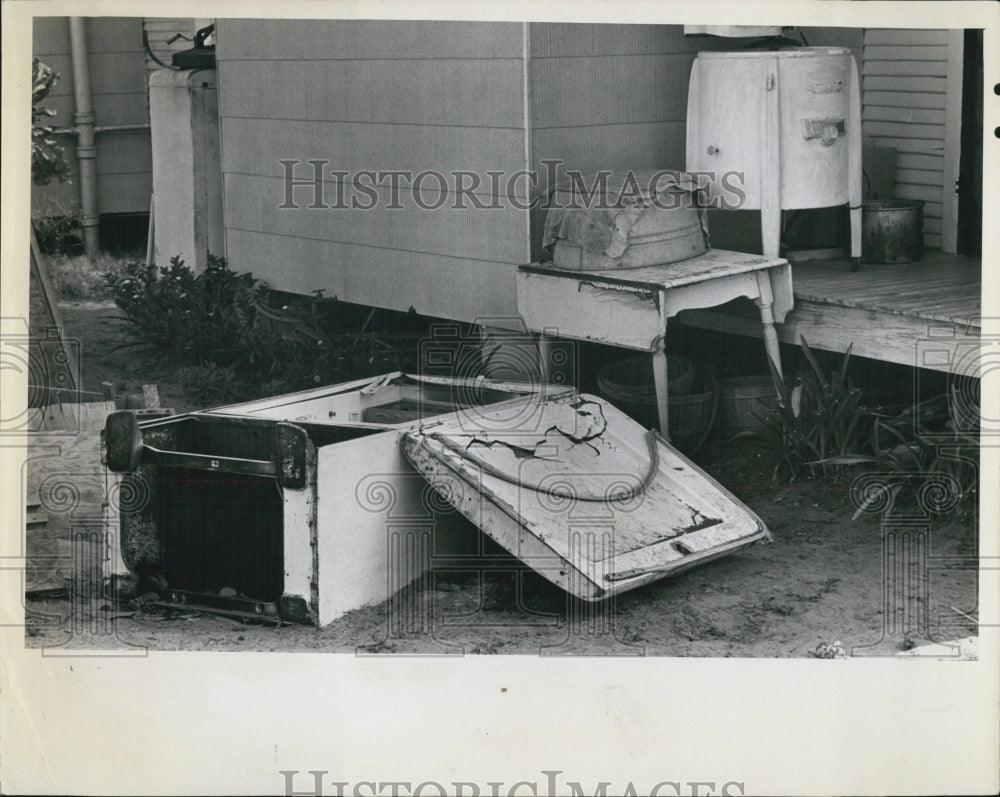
x,y
952,141
48,295
150,247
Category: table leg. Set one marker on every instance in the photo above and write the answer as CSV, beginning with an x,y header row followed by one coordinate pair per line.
x,y
764,300
660,378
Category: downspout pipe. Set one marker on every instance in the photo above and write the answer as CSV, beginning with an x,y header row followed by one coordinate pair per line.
x,y
83,121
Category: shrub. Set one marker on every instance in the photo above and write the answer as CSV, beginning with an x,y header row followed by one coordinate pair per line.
x,y
58,235
210,384
217,316
234,336
55,228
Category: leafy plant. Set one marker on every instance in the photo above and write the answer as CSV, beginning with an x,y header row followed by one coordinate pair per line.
x,y
58,235
217,316
929,450
817,416
236,337
210,384
48,159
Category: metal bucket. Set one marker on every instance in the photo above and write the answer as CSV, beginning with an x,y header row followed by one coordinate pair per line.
x,y
892,231
629,384
746,400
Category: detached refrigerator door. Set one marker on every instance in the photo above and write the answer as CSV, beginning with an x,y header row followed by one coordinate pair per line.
x,y
583,495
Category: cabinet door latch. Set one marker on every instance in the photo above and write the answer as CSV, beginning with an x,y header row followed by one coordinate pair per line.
x,y
827,129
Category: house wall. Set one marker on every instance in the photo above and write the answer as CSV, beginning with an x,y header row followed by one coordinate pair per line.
x,y
444,96
906,94
159,31
615,96
118,89
608,97
374,95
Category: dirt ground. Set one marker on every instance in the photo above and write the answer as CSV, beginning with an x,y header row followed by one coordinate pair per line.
x,y
875,585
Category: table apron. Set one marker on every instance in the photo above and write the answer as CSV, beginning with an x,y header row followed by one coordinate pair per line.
x,y
710,293
619,316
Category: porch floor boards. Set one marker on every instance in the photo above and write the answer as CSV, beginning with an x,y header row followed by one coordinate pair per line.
x,y
940,287
886,312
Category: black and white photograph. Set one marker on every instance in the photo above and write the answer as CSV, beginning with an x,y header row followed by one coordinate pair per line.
x,y
530,399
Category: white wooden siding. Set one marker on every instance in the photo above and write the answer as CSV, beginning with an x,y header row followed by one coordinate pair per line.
x,y
372,94
159,30
607,97
905,94
375,95
118,94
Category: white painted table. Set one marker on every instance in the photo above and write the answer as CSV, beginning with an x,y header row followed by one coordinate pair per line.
x,y
630,307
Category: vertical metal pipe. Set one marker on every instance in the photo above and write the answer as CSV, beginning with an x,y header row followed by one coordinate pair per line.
x,y
83,120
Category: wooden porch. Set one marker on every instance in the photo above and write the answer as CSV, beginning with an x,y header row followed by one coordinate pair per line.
x,y
888,312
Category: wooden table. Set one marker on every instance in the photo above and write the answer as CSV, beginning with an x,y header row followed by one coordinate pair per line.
x,y
630,307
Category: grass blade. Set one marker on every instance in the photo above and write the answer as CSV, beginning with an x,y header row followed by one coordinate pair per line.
x,y
812,360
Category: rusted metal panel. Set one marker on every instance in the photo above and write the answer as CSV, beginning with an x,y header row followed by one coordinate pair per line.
x,y
292,443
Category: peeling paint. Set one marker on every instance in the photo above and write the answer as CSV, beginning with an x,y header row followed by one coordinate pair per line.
x,y
511,507
520,452
696,524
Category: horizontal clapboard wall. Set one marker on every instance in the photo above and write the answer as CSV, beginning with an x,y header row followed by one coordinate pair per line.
x,y
118,93
475,97
906,106
159,32
370,95
607,97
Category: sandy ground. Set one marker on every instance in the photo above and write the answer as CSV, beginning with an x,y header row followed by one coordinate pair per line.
x,y
876,585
